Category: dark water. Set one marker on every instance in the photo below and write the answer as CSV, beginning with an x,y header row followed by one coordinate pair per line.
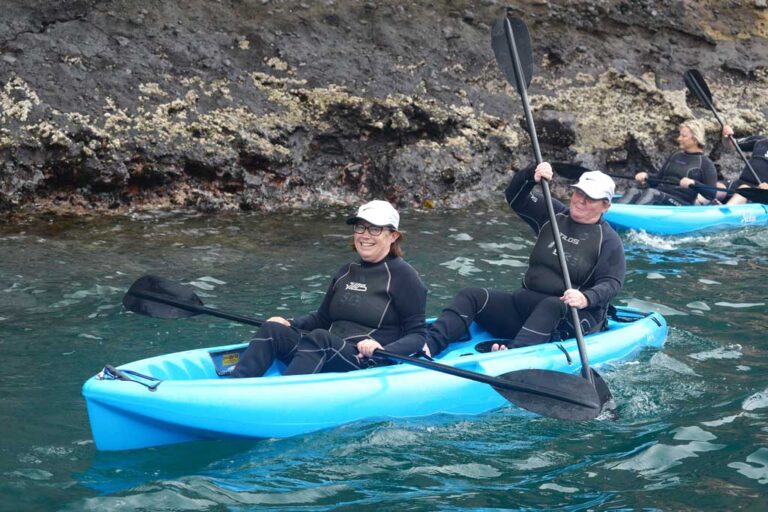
x,y
692,433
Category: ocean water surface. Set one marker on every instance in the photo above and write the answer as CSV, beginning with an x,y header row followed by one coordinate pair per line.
x,y
691,435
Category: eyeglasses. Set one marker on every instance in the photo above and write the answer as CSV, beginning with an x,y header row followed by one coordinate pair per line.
x,y
372,230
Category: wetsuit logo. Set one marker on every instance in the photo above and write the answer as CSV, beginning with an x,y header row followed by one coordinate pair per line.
x,y
570,240
356,287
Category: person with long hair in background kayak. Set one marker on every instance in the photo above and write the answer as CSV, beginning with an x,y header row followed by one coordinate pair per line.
x,y
537,312
376,301
758,145
688,166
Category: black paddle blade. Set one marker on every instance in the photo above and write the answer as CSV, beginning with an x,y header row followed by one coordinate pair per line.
x,y
571,397
756,195
698,86
133,301
502,49
607,403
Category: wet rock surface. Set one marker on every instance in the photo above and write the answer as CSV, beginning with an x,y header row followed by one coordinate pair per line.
x,y
267,104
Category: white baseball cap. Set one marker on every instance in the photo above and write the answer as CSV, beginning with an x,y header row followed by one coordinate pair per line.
x,y
596,185
378,213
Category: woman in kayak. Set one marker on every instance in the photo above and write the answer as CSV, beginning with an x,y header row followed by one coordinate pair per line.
x,y
536,312
758,145
686,167
373,302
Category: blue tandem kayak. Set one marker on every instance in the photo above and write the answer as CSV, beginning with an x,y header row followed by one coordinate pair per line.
x,y
679,220
186,396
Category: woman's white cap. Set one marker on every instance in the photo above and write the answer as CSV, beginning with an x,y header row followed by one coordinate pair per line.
x,y
596,185
377,213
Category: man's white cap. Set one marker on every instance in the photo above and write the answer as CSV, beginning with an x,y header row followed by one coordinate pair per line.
x,y
596,185
378,213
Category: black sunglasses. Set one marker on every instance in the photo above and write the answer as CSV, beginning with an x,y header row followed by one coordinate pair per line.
x,y
372,230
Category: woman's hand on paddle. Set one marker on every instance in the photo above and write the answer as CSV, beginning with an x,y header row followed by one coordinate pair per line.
x,y
641,177
763,185
686,182
575,299
367,347
543,170
727,131
279,320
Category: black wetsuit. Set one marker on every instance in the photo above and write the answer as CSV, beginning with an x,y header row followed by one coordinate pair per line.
x,y
679,165
535,314
759,161
385,301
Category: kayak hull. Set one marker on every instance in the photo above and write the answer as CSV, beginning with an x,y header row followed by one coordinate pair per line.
x,y
191,402
680,220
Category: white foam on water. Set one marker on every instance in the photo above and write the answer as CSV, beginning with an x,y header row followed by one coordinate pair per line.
x,y
464,266
739,305
655,275
461,237
540,460
209,279
758,471
693,433
202,285
661,457
727,352
559,488
472,470
708,281
698,305
757,401
507,262
645,305
662,360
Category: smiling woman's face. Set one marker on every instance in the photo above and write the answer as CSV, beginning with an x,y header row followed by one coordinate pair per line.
x,y
373,249
586,210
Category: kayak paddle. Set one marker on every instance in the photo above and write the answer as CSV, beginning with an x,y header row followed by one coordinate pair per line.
x,y
511,44
698,86
574,171
568,397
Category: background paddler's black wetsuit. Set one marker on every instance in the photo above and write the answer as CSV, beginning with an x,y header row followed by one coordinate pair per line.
x,y
595,258
758,145
385,301
680,164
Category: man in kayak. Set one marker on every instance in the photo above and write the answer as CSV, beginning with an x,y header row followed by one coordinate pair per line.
x,y
376,301
758,145
686,167
536,312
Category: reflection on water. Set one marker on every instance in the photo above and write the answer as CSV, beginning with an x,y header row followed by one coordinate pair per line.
x,y
691,432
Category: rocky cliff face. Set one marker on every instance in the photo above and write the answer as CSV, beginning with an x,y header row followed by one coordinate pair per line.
x,y
265,104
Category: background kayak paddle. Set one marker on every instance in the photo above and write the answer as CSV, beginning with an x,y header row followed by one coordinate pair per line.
x,y
511,44
568,397
695,82
574,171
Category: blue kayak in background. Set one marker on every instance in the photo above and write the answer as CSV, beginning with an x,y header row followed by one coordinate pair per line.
x,y
188,396
679,220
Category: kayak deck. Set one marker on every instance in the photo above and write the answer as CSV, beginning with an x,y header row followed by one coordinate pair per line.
x,y
678,220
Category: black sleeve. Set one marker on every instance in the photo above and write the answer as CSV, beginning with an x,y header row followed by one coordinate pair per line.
x,y
409,298
748,143
320,319
530,206
609,272
707,176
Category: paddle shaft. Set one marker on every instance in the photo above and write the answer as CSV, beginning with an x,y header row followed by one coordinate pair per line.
x,y
699,91
521,88
450,370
